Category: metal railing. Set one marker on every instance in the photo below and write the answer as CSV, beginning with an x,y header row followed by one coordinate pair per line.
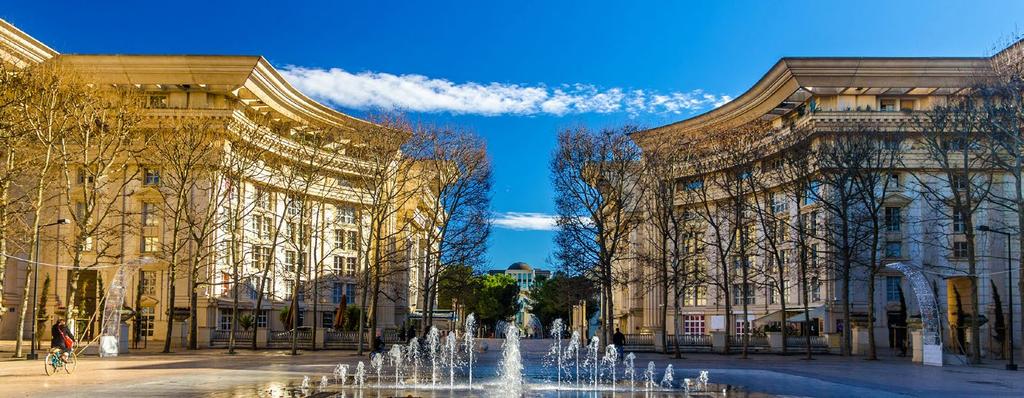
x,y
639,339
695,340
801,341
218,336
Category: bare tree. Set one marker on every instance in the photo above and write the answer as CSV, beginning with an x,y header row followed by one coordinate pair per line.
x,y
96,154
386,178
456,172
954,140
598,190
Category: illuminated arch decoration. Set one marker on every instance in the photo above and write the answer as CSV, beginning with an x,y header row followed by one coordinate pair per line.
x,y
931,335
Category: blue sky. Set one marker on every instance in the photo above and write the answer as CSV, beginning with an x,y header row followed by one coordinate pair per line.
x,y
517,72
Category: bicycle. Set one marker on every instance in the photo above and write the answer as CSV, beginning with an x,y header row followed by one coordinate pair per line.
x,y
54,361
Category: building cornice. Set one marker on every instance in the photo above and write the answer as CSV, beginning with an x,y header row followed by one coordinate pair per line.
x,y
20,49
793,79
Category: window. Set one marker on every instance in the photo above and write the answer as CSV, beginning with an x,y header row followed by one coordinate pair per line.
x,y
264,226
887,105
741,327
892,288
907,105
339,239
85,176
290,260
327,320
148,319
224,320
350,266
893,249
693,325
960,250
894,181
291,230
350,293
339,265
336,293
294,207
958,182
812,192
149,217
150,177
351,241
260,257
959,225
779,203
814,256
893,219
892,144
289,288
815,289
693,185
158,101
150,244
346,215
265,199
741,292
261,318
149,283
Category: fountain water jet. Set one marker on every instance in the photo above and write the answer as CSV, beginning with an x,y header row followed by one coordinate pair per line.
x,y
448,356
340,374
630,371
611,356
412,354
510,370
574,349
433,338
468,341
395,355
595,345
360,375
377,361
324,383
666,380
649,376
557,328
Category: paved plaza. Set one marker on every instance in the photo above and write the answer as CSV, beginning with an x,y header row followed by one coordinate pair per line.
x,y
274,373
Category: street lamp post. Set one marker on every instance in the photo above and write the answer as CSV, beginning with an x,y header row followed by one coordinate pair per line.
x,y
1009,286
35,284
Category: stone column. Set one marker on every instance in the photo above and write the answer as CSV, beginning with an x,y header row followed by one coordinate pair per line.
x,y
718,341
775,341
262,337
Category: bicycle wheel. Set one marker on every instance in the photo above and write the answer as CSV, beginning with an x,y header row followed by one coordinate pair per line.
x,y
48,363
71,363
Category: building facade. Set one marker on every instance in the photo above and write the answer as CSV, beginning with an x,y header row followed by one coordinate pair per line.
x,y
317,234
803,103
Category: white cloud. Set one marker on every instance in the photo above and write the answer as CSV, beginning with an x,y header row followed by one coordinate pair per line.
x,y
526,221
418,93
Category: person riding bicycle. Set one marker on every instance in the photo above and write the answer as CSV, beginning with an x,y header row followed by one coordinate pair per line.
x,y
62,338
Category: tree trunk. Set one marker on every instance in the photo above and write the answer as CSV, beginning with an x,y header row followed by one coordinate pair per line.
x,y
872,355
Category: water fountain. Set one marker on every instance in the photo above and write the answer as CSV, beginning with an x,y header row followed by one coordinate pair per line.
x,y
340,374
395,356
611,356
433,338
448,359
445,351
556,349
649,376
510,371
468,342
630,371
666,380
360,376
412,355
595,344
573,350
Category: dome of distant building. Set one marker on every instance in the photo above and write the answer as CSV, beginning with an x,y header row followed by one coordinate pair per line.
x,y
520,266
